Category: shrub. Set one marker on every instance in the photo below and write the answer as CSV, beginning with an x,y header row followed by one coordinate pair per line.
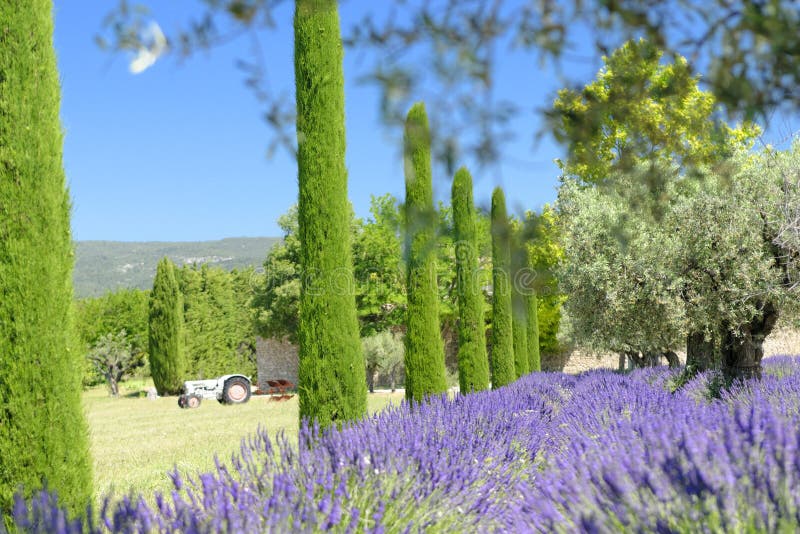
x,y
218,321
95,317
544,255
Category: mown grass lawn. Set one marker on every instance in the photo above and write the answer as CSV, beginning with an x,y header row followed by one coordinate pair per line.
x,y
135,441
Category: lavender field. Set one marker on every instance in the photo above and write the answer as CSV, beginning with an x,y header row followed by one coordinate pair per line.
x,y
597,452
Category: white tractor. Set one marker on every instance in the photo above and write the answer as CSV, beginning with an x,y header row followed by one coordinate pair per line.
x,y
228,389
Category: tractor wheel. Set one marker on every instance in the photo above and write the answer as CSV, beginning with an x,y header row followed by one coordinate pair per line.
x,y
236,390
193,401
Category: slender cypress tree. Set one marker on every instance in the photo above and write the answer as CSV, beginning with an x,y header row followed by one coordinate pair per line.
x,y
165,331
534,360
424,358
43,432
531,300
503,369
473,364
333,383
519,304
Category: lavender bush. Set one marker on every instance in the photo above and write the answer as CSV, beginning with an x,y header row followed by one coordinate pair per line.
x,y
599,452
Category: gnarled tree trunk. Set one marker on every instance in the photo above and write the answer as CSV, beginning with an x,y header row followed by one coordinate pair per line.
x,y
742,351
650,359
672,359
634,360
639,360
643,359
701,352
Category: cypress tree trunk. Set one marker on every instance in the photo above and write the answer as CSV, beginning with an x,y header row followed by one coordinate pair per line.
x,y
43,433
473,364
165,333
534,360
332,382
519,304
424,357
503,369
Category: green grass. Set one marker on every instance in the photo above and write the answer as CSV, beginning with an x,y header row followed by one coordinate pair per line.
x,y
135,442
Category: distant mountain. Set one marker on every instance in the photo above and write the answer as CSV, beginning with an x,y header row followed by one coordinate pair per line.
x,y
102,266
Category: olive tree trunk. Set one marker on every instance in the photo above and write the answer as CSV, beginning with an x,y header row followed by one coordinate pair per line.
x,y
742,351
701,352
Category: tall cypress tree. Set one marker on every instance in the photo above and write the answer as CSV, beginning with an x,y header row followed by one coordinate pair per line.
x,y
165,326
503,368
519,302
333,384
534,360
532,303
424,358
473,364
43,433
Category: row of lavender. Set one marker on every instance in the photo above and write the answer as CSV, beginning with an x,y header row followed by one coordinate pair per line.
x,y
597,452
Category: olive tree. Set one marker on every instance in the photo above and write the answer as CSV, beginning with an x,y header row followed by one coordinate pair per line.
x,y
709,272
383,353
618,286
784,168
113,357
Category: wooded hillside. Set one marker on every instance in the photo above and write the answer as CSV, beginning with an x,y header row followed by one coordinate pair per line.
x,y
102,266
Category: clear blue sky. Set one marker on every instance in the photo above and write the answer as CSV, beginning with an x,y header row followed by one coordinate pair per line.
x,y
178,152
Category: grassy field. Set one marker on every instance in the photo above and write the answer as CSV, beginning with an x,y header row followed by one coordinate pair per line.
x,y
136,441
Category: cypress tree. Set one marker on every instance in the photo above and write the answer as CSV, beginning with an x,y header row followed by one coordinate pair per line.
x,y
424,358
502,361
534,360
165,331
333,383
533,231
519,304
473,364
43,432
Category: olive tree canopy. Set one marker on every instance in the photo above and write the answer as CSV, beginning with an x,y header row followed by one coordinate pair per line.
x,y
710,269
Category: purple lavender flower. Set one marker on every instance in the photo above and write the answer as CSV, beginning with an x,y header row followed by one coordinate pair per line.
x,y
600,452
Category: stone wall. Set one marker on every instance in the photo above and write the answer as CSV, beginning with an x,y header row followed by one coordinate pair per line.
x,y
275,360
